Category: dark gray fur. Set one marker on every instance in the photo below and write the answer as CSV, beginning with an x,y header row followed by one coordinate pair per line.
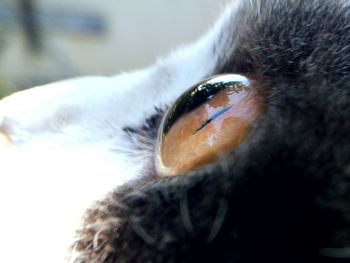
x,y
284,194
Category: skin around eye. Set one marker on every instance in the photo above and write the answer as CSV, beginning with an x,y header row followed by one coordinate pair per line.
x,y
208,129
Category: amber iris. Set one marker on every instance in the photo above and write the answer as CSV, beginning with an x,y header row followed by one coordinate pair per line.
x,y
206,122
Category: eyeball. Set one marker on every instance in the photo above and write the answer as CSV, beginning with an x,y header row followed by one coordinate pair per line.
x,y
208,121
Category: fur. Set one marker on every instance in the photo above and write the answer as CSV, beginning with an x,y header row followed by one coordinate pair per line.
x,y
282,196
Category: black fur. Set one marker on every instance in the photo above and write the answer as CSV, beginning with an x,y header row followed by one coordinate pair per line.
x,y
284,195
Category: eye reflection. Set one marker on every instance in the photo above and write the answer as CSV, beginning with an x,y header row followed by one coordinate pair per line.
x,y
206,122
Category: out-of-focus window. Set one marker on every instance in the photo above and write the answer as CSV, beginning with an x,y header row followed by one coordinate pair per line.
x,y
47,40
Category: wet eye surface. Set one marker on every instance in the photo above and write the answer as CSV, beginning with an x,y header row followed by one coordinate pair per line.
x,y
207,121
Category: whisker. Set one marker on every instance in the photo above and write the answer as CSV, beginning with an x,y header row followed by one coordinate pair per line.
x,y
185,213
219,220
143,234
341,253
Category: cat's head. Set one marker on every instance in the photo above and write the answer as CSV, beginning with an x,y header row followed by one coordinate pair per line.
x,y
281,194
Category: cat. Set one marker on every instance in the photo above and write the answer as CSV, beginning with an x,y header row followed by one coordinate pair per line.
x,y
80,174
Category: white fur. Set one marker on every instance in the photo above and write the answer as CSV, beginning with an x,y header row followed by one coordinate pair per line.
x,y
68,149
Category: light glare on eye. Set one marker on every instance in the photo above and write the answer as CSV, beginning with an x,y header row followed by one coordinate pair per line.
x,y
206,122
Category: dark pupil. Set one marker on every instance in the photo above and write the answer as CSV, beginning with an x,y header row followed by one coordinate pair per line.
x,y
195,97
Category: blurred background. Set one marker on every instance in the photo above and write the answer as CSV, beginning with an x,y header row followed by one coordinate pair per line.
x,y
47,40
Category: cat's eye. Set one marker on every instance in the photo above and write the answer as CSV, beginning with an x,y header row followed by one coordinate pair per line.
x,y
209,120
